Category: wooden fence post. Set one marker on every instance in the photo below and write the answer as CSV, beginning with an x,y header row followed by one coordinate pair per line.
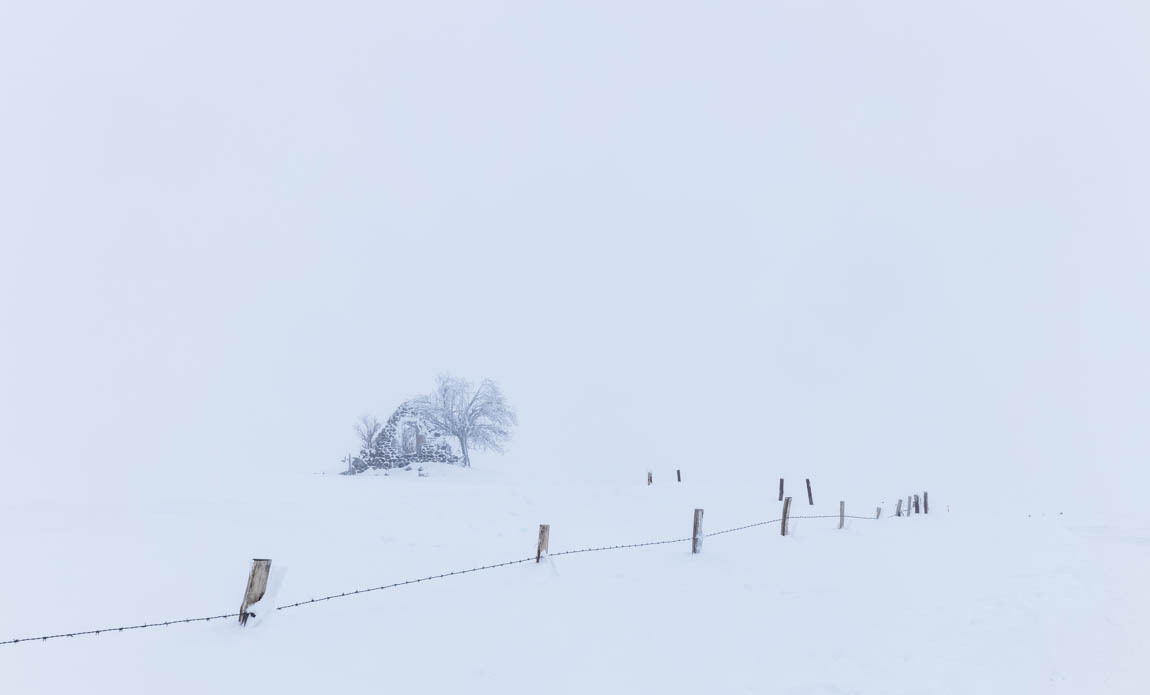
x,y
678,476
544,539
916,508
786,513
925,504
908,505
878,512
697,533
810,498
842,513
780,489
649,478
257,585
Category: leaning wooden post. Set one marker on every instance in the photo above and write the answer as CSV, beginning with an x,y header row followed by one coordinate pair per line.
x,y
810,498
697,533
780,489
678,476
878,512
257,585
925,504
544,538
898,508
916,508
649,477
786,513
842,513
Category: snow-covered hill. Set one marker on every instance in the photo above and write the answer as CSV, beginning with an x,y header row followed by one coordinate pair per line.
x,y
959,601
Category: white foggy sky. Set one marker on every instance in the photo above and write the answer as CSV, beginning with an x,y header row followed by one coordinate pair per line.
x,y
900,237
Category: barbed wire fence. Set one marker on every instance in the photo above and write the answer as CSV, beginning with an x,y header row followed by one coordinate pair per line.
x,y
540,553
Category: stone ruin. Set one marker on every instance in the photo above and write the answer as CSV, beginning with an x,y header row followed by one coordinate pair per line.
x,y
406,439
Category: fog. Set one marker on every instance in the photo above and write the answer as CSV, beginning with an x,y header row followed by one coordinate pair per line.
x,y
890,239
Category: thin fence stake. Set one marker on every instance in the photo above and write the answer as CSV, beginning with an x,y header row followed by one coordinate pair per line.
x,y
925,504
898,508
916,508
257,585
544,540
780,489
678,476
878,512
786,513
810,497
649,478
842,513
697,533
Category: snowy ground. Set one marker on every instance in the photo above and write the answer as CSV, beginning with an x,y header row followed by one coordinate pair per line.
x,y
962,601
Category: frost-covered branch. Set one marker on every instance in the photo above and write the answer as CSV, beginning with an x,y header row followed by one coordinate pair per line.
x,y
477,417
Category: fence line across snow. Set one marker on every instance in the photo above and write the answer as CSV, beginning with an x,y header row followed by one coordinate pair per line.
x,y
694,540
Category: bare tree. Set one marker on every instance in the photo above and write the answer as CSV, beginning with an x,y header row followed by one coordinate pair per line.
x,y
367,428
479,418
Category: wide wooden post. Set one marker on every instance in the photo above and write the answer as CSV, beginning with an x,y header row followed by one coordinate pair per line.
x,y
810,497
678,476
842,513
257,585
649,478
916,507
786,513
780,489
544,539
878,512
898,508
697,533
926,504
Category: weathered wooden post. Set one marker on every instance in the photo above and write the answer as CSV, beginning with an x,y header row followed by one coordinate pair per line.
x,y
898,508
678,476
780,489
786,513
810,498
649,478
697,533
257,585
878,512
544,539
908,505
926,504
916,507
842,513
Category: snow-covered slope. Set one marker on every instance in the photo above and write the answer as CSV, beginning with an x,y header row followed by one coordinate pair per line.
x,y
960,601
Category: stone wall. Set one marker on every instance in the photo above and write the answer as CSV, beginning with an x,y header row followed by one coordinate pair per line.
x,y
406,439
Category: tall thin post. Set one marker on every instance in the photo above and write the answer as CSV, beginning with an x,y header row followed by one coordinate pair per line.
x,y
257,585
842,513
898,508
916,508
786,513
925,504
649,478
780,489
678,476
810,497
697,533
544,540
